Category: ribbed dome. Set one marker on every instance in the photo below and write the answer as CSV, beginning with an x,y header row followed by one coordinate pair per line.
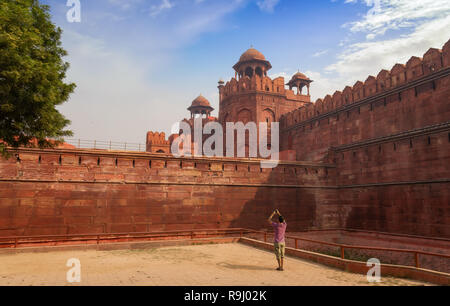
x,y
252,54
201,101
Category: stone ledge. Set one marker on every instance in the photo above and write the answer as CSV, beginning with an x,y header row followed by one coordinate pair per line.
x,y
118,245
437,128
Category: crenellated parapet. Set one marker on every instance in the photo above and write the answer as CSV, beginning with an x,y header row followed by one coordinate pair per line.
x,y
260,85
255,83
156,138
433,60
157,143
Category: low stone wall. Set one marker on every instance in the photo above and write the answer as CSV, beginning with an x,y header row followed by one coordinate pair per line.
x,y
358,267
372,239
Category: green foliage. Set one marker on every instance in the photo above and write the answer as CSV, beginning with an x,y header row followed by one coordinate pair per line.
x,y
32,74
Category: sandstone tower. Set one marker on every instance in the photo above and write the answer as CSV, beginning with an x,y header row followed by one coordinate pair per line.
x,y
253,96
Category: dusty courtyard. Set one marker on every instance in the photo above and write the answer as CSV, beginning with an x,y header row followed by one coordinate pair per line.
x,y
219,265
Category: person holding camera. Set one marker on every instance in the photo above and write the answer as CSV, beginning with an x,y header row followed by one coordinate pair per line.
x,y
279,241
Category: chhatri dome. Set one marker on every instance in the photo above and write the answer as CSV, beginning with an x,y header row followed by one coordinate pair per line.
x,y
252,54
252,62
201,106
300,76
201,101
299,80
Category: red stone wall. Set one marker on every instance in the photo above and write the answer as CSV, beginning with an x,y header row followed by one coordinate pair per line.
x,y
72,192
312,138
400,183
419,209
399,186
390,140
408,97
420,157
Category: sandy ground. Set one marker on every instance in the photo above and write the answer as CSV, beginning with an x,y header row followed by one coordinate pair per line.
x,y
218,265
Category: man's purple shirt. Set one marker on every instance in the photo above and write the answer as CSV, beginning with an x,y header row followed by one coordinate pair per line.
x,y
280,229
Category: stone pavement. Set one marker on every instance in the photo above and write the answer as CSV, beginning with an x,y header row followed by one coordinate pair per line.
x,y
219,265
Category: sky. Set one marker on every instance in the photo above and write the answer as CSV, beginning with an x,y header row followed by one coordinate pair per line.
x,y
138,64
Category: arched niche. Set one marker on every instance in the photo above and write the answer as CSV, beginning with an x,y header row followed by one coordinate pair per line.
x,y
268,116
244,116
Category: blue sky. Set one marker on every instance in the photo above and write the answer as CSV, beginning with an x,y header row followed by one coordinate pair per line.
x,y
138,64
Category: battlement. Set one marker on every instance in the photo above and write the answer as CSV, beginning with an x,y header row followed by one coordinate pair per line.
x,y
261,84
416,68
156,138
255,83
80,165
157,143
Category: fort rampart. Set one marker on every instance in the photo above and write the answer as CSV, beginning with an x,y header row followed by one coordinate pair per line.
x,y
80,191
375,156
389,138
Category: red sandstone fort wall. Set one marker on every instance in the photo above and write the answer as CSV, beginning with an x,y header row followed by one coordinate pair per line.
x,y
71,192
418,209
380,117
390,140
400,185
402,110
377,158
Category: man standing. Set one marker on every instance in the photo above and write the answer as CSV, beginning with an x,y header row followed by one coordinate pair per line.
x,y
279,243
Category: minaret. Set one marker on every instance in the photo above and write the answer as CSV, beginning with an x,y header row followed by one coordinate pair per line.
x,y
221,87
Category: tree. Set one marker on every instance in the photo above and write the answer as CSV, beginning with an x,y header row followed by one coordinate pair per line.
x,y
32,73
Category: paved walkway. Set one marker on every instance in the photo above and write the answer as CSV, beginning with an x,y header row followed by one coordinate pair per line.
x,y
219,265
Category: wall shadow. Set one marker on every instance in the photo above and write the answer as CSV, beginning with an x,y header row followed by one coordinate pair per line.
x,y
297,205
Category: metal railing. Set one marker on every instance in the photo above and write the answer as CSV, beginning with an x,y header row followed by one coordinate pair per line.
x,y
344,247
106,145
55,240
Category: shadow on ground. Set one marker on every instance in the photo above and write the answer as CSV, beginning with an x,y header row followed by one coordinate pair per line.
x,y
243,267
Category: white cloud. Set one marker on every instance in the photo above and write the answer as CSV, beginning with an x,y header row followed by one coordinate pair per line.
x,y
426,23
114,99
320,53
125,4
119,95
321,85
158,9
285,74
267,5
206,19
397,14
360,57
